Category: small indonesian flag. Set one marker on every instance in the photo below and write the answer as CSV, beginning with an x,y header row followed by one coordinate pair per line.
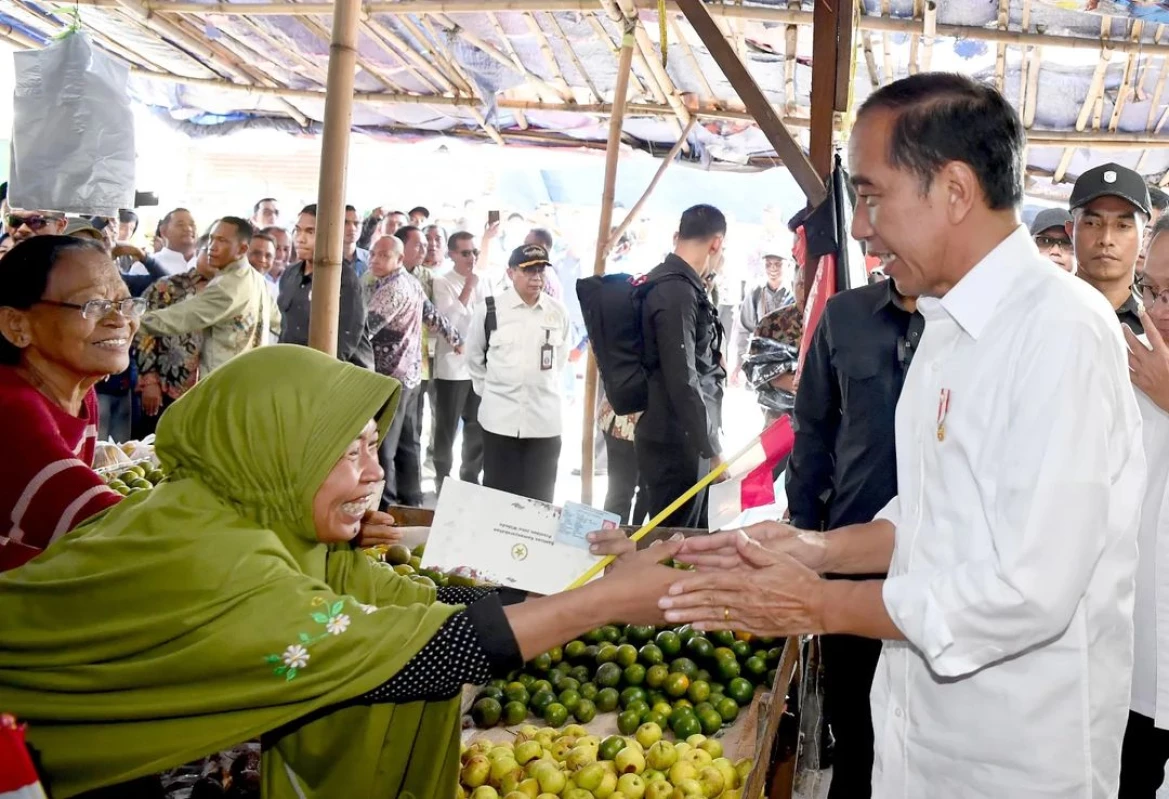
x,y
751,483
18,778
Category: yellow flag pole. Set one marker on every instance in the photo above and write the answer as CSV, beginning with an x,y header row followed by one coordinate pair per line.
x,y
653,523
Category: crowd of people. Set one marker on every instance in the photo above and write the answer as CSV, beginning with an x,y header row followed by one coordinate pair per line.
x,y
976,490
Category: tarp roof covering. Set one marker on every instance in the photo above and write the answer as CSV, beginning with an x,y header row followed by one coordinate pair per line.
x,y
1089,86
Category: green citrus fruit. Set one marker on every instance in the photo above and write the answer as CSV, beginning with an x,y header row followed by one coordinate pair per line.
x,y
556,714
632,694
610,747
514,713
669,643
634,674
486,713
727,708
540,701
608,675
626,655
677,685
686,726
585,711
628,722
699,691
741,690
684,666
655,676
607,700
651,655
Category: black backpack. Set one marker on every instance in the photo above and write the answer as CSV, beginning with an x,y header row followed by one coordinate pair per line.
x,y
612,310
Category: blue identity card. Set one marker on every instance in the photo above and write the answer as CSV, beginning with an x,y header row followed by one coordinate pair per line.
x,y
577,521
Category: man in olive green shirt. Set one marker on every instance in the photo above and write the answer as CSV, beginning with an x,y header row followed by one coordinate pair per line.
x,y
236,310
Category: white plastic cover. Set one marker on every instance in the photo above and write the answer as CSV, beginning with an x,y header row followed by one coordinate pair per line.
x,y
72,131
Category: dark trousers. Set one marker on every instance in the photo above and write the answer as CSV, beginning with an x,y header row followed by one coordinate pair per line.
x,y
1142,760
522,466
455,401
142,425
668,470
625,482
849,665
399,453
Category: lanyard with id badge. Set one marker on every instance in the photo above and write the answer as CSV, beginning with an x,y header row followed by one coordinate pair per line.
x,y
546,350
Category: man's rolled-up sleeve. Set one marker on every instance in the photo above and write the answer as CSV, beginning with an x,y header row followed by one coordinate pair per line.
x,y
1065,487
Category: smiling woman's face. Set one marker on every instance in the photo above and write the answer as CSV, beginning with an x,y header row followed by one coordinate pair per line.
x,y
349,491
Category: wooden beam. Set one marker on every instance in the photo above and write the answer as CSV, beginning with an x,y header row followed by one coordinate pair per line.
x,y
620,92
930,32
549,55
756,102
631,217
890,73
791,43
329,251
871,60
915,40
543,87
832,52
437,51
772,14
1129,77
1095,88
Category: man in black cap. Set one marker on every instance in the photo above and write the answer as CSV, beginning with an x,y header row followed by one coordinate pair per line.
x,y
516,350
1110,209
1049,232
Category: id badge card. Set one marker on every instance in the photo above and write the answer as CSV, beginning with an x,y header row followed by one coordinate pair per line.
x,y
546,350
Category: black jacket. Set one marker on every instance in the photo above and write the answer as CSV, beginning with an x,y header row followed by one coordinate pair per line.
x,y
843,468
683,356
353,344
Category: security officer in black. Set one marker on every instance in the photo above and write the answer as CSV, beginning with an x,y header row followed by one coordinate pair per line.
x,y
843,470
1110,209
677,436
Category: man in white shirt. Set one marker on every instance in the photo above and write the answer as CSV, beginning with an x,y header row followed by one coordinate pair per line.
x,y
457,295
516,373
1146,739
1011,546
179,233
265,213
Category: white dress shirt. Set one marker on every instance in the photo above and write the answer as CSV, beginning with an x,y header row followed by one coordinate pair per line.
x,y
1150,673
448,364
1013,570
519,398
173,261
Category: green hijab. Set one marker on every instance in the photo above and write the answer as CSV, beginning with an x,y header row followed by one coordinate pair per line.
x,y
205,612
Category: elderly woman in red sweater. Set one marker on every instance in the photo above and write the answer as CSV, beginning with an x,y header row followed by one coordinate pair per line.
x,y
66,322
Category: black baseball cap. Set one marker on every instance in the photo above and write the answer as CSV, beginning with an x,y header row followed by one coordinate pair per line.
x,y
1111,180
528,255
1049,218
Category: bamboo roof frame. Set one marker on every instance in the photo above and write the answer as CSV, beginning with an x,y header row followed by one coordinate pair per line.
x,y
419,67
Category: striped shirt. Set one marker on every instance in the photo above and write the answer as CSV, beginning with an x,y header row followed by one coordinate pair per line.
x,y
47,486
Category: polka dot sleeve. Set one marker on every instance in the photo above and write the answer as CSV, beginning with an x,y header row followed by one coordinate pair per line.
x,y
470,647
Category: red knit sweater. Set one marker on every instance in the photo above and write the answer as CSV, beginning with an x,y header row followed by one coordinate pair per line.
x,y
47,485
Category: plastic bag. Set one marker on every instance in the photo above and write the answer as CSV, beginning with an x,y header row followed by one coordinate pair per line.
x,y
72,131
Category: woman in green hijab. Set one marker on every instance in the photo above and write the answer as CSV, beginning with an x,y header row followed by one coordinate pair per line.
x,y
229,603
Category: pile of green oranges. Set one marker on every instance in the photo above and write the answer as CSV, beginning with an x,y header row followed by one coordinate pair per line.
x,y
679,679
135,479
571,764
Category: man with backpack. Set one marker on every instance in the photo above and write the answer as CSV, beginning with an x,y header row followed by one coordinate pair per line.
x,y
677,436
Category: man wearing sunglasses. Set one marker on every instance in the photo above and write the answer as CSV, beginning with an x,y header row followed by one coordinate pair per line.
x,y
26,224
457,295
1050,234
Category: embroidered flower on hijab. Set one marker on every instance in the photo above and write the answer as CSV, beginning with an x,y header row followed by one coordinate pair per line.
x,y
296,657
337,624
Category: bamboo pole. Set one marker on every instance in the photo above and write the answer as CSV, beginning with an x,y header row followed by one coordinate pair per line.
x,y
871,60
791,38
548,54
915,40
631,217
708,94
1000,61
1130,75
930,28
329,251
457,69
653,63
620,94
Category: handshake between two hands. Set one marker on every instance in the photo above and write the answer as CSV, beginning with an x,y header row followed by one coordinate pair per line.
x,y
761,579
